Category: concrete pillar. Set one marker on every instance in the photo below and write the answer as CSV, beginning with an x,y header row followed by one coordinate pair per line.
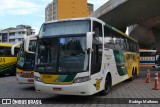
x,y
156,33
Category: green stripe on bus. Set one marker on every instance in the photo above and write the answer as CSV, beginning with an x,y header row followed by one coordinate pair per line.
x,y
10,69
61,78
6,65
69,78
119,58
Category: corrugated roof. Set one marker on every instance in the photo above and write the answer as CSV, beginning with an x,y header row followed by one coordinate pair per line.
x,y
11,28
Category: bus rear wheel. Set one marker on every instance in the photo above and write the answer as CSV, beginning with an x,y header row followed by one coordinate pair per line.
x,y
133,75
136,74
107,86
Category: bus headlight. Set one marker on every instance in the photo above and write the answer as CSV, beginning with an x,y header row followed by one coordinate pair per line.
x,y
37,79
81,79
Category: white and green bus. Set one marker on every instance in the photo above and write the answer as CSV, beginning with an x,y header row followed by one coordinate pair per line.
x,y
25,62
83,56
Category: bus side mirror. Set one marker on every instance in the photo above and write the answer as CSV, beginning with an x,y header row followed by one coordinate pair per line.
x,y
27,42
26,45
14,46
89,39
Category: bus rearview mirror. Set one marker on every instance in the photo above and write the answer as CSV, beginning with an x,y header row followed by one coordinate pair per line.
x,y
26,45
14,46
89,39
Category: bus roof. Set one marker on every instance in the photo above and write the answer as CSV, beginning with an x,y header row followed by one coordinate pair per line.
x,y
7,45
72,19
145,50
94,19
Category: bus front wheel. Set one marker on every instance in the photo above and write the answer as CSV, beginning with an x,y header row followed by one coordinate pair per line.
x,y
106,86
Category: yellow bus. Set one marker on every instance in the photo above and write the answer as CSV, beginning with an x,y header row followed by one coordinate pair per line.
x,y
83,56
7,60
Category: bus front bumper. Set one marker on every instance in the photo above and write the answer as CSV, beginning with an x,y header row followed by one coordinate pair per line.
x,y
83,89
22,80
157,67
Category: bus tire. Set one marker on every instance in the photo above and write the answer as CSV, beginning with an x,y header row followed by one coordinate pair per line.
x,y
1,75
107,85
133,75
136,73
13,74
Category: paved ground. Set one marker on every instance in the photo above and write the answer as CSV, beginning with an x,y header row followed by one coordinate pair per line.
x,y
9,88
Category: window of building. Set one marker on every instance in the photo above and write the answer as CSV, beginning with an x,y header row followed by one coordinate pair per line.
x,y
23,32
4,37
11,33
20,39
12,40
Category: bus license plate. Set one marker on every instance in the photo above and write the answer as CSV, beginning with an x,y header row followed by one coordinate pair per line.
x,y
27,72
30,80
57,89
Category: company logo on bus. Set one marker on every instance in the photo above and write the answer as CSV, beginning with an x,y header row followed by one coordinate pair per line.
x,y
47,76
98,82
108,57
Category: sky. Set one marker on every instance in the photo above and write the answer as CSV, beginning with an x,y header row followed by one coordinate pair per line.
x,y
28,12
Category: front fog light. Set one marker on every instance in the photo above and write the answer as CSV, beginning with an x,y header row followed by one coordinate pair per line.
x,y
37,79
81,79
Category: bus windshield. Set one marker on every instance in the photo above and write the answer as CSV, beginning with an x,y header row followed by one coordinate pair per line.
x,y
24,59
65,28
62,55
157,57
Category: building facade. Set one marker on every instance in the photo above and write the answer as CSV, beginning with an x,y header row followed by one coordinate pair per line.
x,y
61,9
14,35
90,7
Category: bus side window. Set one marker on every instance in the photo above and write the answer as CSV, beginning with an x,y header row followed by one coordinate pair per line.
x,y
133,57
7,51
2,51
108,38
128,56
16,51
97,48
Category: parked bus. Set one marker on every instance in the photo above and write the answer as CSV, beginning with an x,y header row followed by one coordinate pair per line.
x,y
7,61
147,57
26,63
157,61
83,56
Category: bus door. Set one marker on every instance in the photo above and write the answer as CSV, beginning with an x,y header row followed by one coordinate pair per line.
x,y
96,57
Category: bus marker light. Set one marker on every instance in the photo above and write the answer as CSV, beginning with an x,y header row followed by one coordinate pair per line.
x,y
82,92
